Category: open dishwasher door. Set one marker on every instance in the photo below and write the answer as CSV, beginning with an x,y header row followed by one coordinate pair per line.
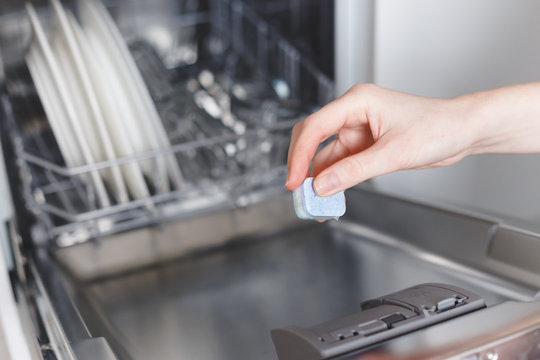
x,y
206,270
262,269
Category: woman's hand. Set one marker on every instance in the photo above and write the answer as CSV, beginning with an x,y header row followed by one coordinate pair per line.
x,y
380,131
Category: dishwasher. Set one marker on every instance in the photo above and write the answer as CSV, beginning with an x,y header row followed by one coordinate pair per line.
x,y
218,266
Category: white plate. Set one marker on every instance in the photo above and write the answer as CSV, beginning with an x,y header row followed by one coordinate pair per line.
x,y
115,109
95,18
86,104
54,111
59,83
129,130
75,89
141,137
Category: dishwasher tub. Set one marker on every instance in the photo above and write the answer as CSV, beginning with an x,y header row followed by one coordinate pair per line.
x,y
266,269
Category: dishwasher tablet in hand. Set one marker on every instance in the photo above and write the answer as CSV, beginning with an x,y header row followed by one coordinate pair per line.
x,y
310,206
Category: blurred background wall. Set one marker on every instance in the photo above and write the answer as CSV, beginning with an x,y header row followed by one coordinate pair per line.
x,y
450,47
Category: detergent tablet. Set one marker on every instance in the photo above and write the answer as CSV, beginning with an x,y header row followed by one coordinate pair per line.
x,y
309,206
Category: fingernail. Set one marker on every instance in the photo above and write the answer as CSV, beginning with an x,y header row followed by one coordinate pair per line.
x,y
326,184
287,182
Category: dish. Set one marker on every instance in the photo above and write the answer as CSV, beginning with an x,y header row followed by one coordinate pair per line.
x,y
95,18
153,120
92,32
113,104
53,110
65,101
141,135
89,113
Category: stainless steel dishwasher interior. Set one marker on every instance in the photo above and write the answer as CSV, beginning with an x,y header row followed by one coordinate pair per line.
x,y
220,301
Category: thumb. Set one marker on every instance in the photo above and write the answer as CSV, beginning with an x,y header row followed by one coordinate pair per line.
x,y
376,160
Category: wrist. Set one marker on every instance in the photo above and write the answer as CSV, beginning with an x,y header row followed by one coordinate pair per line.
x,y
483,121
504,120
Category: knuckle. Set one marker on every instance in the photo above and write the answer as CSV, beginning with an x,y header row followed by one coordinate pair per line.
x,y
358,87
309,127
363,88
308,122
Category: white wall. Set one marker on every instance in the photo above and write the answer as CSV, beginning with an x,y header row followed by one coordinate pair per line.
x,y
450,47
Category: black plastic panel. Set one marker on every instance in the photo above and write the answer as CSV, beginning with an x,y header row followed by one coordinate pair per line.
x,y
379,319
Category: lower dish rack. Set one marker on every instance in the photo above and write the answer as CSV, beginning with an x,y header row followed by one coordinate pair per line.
x,y
227,115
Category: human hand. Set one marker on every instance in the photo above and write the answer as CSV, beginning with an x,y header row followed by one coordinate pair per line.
x,y
380,131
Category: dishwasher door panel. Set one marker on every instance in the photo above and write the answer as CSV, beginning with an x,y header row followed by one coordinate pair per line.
x,y
221,302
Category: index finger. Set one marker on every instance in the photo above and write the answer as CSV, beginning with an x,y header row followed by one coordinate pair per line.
x,y
309,133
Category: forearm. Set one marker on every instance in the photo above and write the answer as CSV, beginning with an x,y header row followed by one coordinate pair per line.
x,y
504,120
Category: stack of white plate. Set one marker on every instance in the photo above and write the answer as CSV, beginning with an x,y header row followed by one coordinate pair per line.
x,y
97,103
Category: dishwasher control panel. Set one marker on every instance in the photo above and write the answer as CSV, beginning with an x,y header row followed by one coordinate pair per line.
x,y
378,320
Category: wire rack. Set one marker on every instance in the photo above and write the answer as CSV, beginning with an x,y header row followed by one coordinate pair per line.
x,y
226,162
